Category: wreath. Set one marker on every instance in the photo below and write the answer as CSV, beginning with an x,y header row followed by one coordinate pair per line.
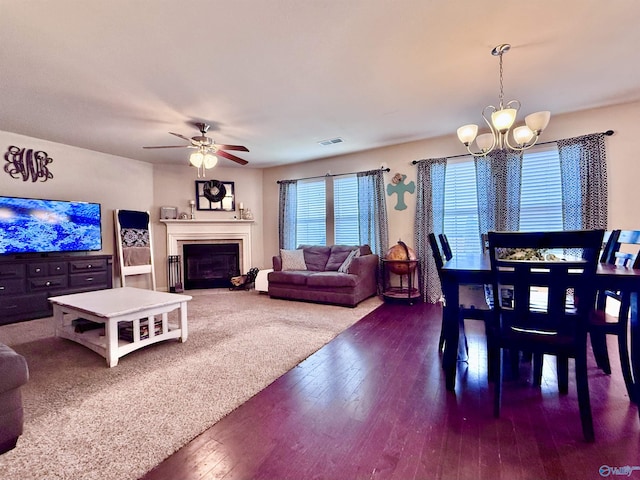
x,y
214,190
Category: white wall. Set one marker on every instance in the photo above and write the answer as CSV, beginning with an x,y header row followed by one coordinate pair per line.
x,y
84,175
623,169
118,182
174,186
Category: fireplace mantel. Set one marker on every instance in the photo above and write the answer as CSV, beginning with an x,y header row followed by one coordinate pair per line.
x,y
185,231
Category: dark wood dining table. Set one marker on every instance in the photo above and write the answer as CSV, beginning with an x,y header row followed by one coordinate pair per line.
x,y
476,269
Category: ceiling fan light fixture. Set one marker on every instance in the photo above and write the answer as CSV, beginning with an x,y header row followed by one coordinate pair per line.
x,y
210,160
196,159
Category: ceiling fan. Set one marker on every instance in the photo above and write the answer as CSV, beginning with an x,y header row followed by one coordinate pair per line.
x,y
205,145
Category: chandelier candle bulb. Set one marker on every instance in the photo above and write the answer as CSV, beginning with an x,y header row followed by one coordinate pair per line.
x,y
523,135
538,121
485,142
467,133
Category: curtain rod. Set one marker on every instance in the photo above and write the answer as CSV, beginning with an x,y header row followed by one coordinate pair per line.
x,y
333,175
608,133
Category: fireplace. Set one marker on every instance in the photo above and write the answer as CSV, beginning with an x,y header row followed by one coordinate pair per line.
x,y
210,265
181,233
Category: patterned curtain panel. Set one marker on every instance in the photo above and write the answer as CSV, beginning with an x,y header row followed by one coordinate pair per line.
x,y
583,164
498,177
429,218
287,220
372,208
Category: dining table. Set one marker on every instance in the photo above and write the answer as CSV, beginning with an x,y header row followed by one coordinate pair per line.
x,y
476,269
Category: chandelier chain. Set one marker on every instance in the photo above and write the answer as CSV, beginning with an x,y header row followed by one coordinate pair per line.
x,y
501,85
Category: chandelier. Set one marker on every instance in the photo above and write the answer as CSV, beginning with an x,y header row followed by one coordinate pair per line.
x,y
502,119
203,158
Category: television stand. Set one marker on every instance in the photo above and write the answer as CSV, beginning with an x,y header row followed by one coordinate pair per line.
x,y
26,283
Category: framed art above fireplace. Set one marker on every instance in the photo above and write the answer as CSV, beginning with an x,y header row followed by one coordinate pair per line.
x,y
215,195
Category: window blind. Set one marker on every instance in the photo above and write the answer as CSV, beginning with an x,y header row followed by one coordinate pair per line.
x,y
541,191
311,213
461,223
345,218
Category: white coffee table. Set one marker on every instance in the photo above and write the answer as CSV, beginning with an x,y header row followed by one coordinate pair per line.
x,y
116,305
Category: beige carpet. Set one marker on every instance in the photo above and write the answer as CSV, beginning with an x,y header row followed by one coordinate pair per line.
x,y
86,421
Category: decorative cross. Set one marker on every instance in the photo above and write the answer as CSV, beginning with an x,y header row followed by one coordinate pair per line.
x,y
398,187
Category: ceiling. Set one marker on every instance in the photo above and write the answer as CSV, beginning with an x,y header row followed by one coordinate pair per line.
x,y
279,76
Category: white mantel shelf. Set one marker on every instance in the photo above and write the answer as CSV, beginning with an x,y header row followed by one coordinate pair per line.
x,y
214,230
198,220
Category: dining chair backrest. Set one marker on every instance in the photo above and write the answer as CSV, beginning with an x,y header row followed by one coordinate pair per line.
x,y
609,245
484,241
515,280
522,263
625,250
446,248
435,249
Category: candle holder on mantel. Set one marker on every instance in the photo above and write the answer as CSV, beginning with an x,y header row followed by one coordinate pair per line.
x,y
241,210
192,203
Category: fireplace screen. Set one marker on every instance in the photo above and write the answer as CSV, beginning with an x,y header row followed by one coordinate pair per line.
x,y
210,265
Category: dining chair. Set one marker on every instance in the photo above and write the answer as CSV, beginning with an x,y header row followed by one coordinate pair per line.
x,y
446,248
611,316
473,305
560,328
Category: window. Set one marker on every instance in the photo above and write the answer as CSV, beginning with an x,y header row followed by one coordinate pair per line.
x,y
541,191
316,200
311,213
345,210
540,198
461,223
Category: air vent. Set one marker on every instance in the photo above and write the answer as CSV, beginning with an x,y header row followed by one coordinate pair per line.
x,y
331,141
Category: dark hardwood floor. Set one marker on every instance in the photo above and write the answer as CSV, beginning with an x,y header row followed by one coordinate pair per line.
x,y
372,404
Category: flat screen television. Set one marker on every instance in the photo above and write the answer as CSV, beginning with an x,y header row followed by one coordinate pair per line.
x,y
30,225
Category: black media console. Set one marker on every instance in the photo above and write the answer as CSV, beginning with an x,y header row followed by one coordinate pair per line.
x,y
27,283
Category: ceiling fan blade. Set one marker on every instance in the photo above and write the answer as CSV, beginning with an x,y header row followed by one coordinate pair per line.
x,y
231,157
170,146
181,136
232,147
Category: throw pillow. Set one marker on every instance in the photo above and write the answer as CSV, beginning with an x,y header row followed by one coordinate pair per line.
x,y
292,260
344,268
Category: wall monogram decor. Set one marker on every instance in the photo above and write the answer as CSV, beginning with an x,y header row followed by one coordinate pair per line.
x,y
27,163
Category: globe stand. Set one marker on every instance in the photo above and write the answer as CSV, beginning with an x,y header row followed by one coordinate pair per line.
x,y
402,269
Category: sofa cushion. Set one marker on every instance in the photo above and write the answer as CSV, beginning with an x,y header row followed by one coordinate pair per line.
x,y
331,279
339,254
316,256
298,277
292,260
365,250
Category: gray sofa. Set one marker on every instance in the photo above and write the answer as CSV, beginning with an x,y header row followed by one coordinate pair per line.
x,y
13,374
322,282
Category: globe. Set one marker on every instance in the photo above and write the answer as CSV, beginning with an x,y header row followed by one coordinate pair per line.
x,y
400,252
